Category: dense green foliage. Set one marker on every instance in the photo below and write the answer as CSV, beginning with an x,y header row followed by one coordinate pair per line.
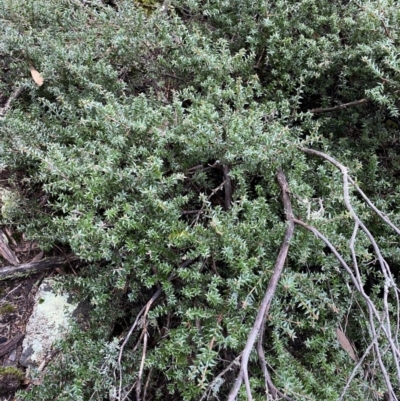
x,y
118,157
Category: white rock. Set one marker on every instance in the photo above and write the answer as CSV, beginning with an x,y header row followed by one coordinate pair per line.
x,y
49,321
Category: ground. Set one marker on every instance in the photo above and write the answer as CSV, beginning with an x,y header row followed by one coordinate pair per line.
x,y
16,303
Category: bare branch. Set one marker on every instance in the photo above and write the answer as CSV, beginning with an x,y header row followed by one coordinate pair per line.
x,y
373,207
13,96
13,272
269,385
389,280
141,316
342,168
340,107
372,309
143,312
147,384
139,379
360,362
227,187
213,192
273,283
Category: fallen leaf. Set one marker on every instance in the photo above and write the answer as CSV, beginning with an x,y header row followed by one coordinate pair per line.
x,y
33,382
36,76
345,343
59,271
38,257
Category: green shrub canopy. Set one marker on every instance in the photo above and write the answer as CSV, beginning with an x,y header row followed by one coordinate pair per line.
x,y
151,152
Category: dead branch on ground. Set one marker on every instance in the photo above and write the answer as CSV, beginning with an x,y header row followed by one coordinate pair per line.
x,y
5,250
13,272
9,345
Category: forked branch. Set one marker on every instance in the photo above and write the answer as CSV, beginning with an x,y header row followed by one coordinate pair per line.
x,y
142,314
266,302
382,317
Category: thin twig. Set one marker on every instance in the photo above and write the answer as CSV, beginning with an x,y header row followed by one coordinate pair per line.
x,y
261,357
340,107
139,379
10,292
48,359
143,312
227,187
370,12
128,392
13,96
219,376
210,347
138,342
360,289
375,333
389,280
373,207
185,212
141,315
147,384
342,168
213,192
360,362
269,385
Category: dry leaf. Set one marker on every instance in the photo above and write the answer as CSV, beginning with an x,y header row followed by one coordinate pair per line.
x,y
345,343
36,76
59,271
38,257
33,382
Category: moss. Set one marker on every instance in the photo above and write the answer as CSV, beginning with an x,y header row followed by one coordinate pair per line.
x,y
10,379
10,372
6,309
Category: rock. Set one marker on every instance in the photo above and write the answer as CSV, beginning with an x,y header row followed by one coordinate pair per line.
x,y
50,319
13,356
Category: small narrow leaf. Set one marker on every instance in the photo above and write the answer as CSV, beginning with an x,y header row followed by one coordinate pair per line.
x,y
38,257
36,76
345,343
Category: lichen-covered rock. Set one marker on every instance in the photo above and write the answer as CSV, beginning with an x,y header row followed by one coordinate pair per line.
x,y
48,323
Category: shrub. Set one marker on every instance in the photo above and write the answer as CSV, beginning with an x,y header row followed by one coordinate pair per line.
x,y
155,140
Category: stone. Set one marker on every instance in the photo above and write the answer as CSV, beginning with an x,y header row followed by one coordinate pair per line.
x,y
50,319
